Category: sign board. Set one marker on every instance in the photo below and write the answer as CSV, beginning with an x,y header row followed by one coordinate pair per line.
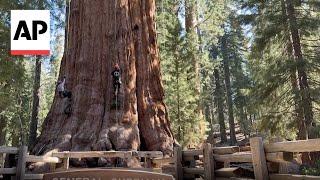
x,y
30,32
106,174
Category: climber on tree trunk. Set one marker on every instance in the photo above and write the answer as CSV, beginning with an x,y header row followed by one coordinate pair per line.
x,y
116,76
61,89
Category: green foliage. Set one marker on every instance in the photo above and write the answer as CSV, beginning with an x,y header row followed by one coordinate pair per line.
x,y
270,66
17,73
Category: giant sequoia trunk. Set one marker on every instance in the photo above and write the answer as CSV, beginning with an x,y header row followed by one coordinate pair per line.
x,y
102,33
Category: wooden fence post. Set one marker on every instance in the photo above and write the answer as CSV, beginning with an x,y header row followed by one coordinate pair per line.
x,y
178,163
259,159
208,162
66,163
21,166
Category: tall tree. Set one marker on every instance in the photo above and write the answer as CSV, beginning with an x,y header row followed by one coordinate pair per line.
x,y
101,34
226,68
302,75
298,111
192,39
219,102
35,104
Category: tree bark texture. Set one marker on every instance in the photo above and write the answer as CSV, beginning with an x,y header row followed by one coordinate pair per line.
x,y
102,33
219,102
233,139
35,103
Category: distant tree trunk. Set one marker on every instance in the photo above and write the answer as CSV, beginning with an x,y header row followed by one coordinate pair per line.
x,y
66,30
298,111
190,21
219,101
35,105
233,139
102,33
302,75
2,131
177,89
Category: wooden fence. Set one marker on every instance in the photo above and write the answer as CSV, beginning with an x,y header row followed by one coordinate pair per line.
x,y
191,164
251,162
21,156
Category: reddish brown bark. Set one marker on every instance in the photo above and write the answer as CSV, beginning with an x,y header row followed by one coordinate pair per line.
x,y
102,33
298,111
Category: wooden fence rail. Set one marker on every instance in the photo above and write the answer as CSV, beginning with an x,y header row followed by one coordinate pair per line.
x,y
259,155
18,172
209,163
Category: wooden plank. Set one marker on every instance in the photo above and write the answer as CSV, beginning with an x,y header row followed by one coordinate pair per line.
x,y
280,157
226,150
230,149
8,170
33,176
162,161
178,163
196,152
45,159
92,154
149,154
236,157
227,172
245,148
66,162
208,162
258,159
232,178
21,166
193,170
292,177
8,150
310,145
106,174
232,172
190,158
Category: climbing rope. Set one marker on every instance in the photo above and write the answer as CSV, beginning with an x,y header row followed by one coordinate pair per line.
x,y
115,56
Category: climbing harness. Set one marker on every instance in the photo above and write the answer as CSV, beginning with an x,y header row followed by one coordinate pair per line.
x,y
68,109
116,75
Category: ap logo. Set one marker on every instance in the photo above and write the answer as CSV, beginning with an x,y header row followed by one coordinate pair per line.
x,y
30,32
